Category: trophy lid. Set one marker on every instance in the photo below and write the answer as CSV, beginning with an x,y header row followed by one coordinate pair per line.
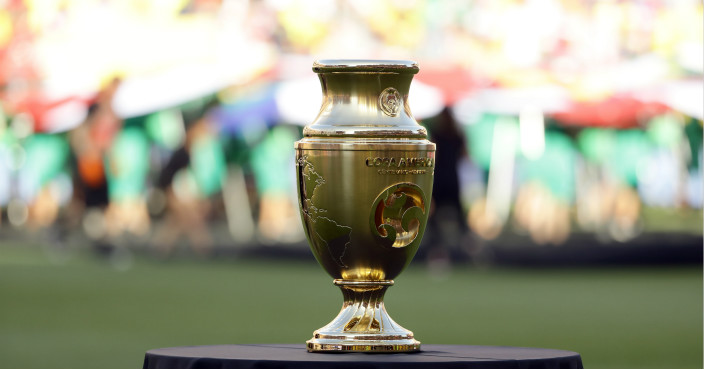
x,y
365,98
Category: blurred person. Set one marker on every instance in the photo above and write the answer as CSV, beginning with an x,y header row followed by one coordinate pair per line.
x,y
484,220
616,166
193,174
625,214
5,165
610,209
89,144
446,222
547,190
272,161
543,215
43,209
126,173
45,158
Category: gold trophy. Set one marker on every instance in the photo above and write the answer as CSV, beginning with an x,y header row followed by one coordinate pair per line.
x,y
365,178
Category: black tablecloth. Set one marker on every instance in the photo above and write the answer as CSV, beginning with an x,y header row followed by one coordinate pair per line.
x,y
286,356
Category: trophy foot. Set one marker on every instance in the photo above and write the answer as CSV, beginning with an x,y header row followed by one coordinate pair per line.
x,y
363,323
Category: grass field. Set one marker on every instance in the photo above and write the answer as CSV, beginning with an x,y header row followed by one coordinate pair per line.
x,y
85,314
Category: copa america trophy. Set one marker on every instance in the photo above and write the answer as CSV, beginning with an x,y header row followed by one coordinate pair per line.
x,y
365,177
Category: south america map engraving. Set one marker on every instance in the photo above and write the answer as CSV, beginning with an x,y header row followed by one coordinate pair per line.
x,y
325,232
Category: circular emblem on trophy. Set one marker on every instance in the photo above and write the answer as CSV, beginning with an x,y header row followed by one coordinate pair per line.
x,y
390,101
398,215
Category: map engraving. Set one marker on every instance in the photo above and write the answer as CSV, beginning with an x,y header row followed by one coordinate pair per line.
x,y
325,233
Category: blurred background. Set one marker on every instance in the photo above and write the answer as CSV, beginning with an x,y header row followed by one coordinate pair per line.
x,y
147,183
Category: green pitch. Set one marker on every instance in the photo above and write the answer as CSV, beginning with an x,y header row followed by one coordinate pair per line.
x,y
82,313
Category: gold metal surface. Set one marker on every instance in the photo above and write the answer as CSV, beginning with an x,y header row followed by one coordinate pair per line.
x,y
365,175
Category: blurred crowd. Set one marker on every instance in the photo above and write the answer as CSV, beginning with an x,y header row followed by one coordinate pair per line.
x,y
160,179
172,123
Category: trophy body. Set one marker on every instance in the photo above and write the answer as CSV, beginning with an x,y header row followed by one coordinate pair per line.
x,y
365,175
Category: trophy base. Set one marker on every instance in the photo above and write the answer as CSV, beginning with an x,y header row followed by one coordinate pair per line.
x,y
363,325
384,346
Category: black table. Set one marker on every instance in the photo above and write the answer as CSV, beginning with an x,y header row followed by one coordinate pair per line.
x,y
287,356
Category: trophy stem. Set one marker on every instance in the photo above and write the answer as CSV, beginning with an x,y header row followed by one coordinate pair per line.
x,y
363,323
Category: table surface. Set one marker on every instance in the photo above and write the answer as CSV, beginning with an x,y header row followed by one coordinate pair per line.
x,y
284,356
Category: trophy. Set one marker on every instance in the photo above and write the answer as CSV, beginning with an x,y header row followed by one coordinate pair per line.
x,y
365,176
